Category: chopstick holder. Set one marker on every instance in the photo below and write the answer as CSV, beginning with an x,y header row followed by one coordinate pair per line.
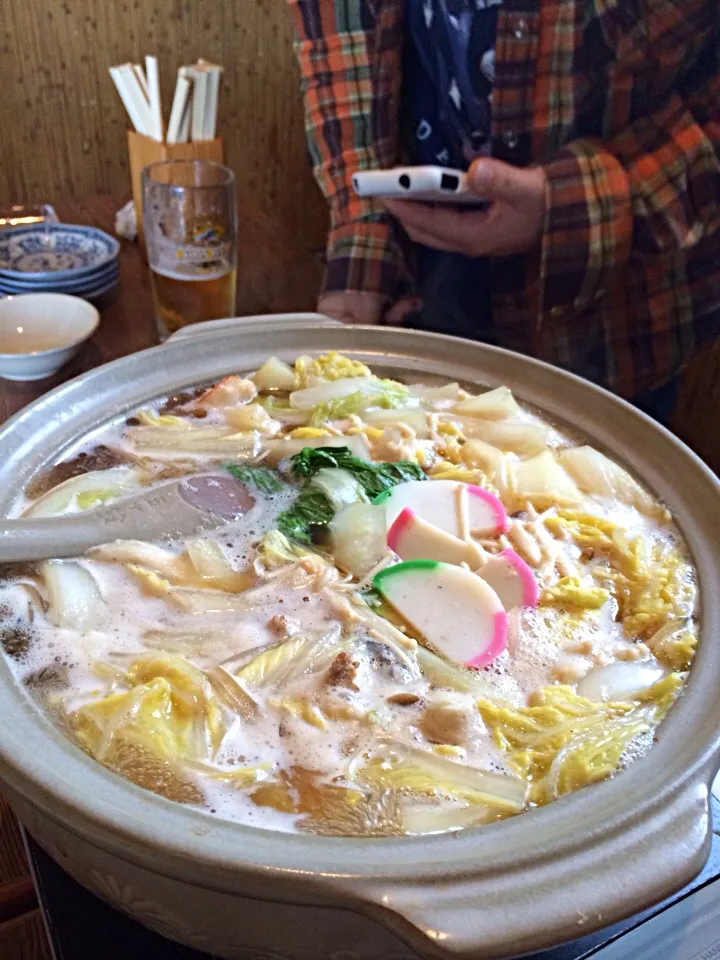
x,y
144,150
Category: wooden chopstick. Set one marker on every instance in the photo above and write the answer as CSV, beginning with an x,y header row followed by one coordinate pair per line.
x,y
131,96
211,101
155,104
199,103
138,97
180,110
184,134
195,100
140,74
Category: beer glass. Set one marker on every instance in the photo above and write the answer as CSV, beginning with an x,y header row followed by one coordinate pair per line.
x,y
190,223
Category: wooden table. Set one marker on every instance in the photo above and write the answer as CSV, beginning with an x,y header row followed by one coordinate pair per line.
x,y
274,277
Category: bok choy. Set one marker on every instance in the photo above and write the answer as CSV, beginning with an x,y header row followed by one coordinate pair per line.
x,y
262,478
375,478
335,478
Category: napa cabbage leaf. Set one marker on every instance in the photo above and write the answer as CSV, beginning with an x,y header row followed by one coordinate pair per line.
x,y
417,772
573,593
328,366
384,394
563,741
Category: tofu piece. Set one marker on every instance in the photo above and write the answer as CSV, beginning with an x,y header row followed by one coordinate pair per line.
x,y
447,720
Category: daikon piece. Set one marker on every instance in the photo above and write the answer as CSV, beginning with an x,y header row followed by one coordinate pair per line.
x,y
526,438
622,680
543,482
597,474
495,404
357,536
274,374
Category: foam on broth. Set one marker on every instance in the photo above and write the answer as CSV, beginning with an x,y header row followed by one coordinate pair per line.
x,y
69,668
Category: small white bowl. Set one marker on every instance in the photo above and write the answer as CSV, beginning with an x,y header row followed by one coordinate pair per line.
x,y
40,332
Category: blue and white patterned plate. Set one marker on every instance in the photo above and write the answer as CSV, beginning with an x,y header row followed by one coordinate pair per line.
x,y
51,283
90,293
101,291
78,292
58,250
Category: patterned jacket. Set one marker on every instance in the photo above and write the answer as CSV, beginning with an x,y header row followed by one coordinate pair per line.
x,y
619,101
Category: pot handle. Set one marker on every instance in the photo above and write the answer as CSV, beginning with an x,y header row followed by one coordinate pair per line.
x,y
511,909
236,323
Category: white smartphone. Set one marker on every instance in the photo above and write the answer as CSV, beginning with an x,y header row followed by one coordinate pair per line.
x,y
424,184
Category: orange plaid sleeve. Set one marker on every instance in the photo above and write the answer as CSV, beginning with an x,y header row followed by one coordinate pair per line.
x,y
652,189
350,65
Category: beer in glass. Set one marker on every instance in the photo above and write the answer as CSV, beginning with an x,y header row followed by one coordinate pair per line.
x,y
190,222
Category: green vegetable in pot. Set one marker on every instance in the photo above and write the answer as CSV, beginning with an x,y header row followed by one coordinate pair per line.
x,y
339,486
311,512
262,478
322,496
375,478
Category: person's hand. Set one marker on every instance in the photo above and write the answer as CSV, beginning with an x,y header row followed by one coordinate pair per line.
x,y
367,308
511,224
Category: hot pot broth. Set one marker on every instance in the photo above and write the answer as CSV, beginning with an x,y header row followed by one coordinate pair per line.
x,y
440,611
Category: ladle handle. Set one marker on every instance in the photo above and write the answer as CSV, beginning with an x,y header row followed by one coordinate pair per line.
x,y
153,515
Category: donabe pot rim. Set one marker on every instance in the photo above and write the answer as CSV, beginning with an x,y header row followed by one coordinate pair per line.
x,y
43,767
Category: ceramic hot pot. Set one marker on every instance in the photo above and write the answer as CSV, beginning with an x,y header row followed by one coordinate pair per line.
x,y
552,874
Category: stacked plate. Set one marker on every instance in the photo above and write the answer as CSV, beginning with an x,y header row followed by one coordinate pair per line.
x,y
59,257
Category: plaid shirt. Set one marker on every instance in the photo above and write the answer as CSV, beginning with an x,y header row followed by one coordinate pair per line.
x,y
619,101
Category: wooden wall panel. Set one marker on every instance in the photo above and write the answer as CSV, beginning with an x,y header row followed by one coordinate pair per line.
x,y
64,126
